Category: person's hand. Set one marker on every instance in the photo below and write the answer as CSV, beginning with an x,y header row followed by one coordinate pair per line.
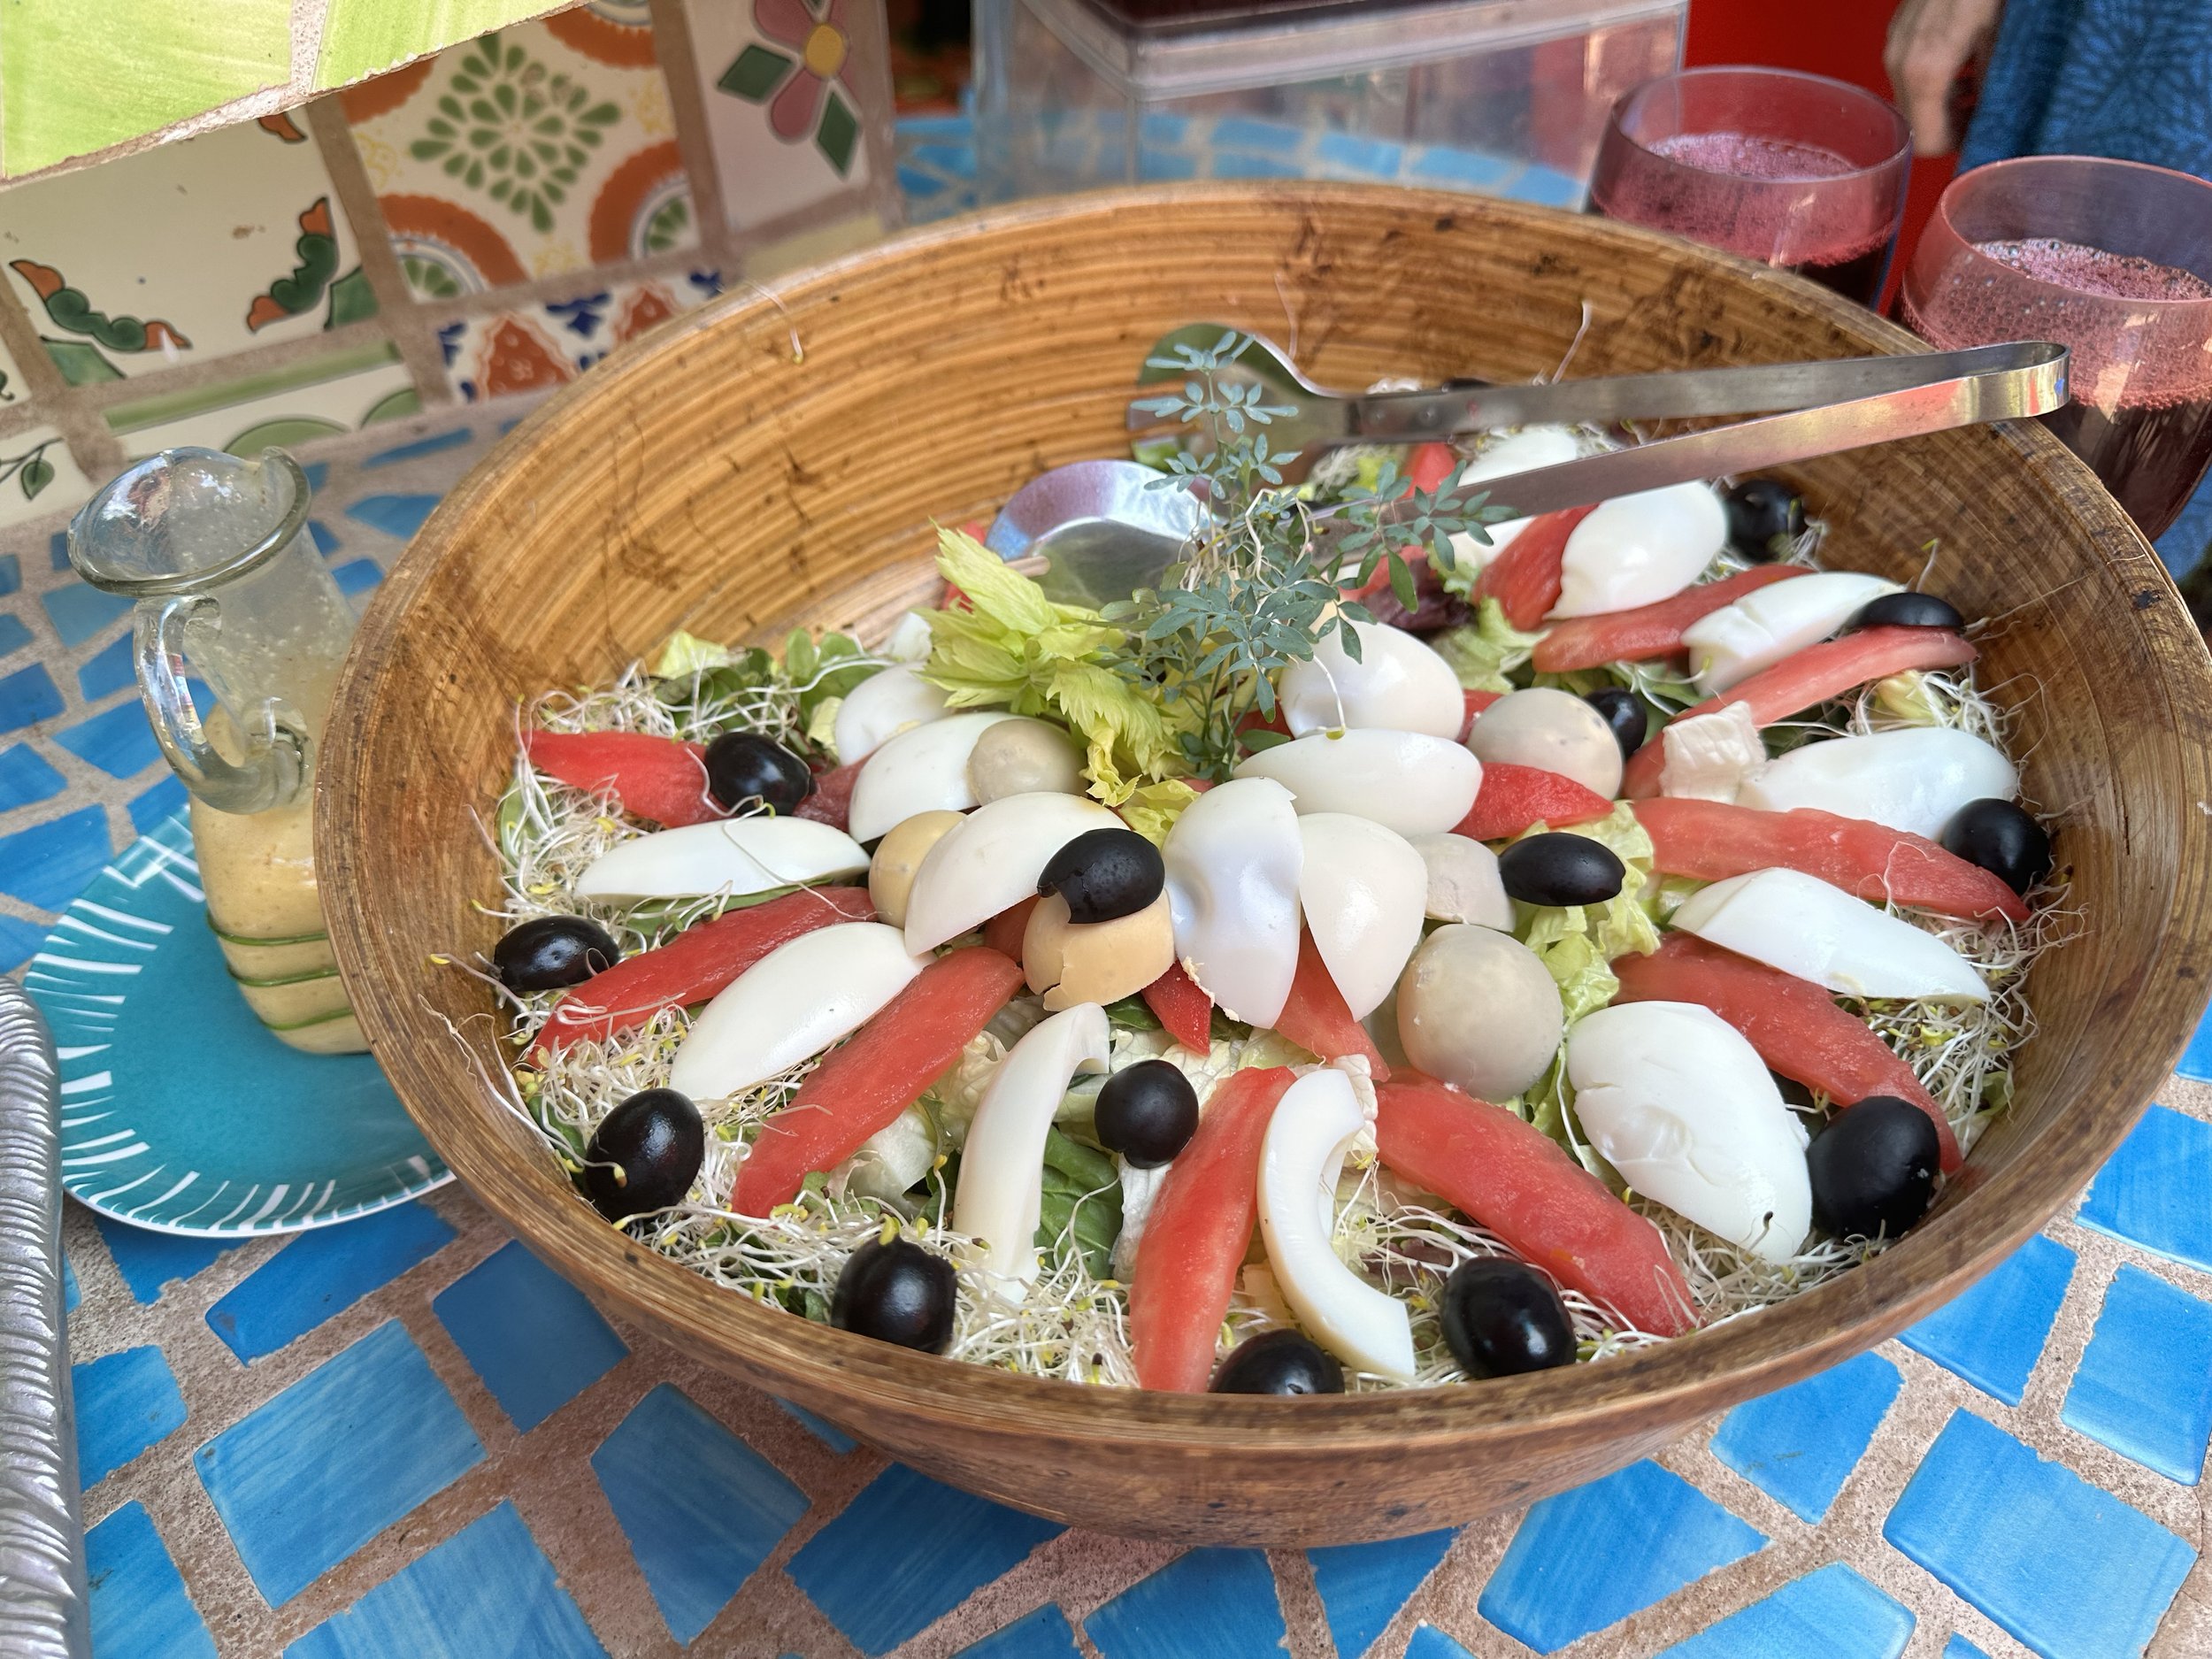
x,y
1930,43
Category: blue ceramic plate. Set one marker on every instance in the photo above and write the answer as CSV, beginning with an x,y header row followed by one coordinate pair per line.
x,y
179,1110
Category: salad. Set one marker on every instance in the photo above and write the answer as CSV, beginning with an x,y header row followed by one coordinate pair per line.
x,y
1457,945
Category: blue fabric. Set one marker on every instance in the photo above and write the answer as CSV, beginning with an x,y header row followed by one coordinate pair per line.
x,y
2130,79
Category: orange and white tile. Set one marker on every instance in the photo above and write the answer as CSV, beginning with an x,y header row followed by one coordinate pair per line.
x,y
536,346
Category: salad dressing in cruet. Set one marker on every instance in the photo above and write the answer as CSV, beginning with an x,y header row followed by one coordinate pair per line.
x,y
214,551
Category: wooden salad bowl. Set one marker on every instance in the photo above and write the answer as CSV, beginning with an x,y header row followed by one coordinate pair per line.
x,y
712,478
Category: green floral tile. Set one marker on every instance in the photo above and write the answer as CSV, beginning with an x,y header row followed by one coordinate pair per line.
x,y
365,37
292,405
76,78
37,476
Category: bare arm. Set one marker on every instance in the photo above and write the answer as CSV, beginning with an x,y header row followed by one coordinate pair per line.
x,y
1930,43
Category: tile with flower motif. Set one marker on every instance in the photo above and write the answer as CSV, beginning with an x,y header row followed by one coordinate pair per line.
x,y
536,150
184,253
533,348
289,405
788,85
37,476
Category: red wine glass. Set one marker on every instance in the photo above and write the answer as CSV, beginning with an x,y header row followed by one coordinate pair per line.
x,y
1795,170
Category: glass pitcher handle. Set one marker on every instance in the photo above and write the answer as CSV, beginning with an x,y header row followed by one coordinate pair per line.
x,y
275,763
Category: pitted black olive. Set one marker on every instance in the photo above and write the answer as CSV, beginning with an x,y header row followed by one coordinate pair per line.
x,y
548,953
1558,869
1278,1363
1873,1168
746,770
896,1292
1765,516
1503,1317
2002,838
1905,610
1623,715
1147,1112
645,1155
1105,874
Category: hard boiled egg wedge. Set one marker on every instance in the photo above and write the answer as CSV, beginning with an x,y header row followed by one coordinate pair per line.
x,y
1638,549
925,770
1364,891
790,1005
1915,781
1801,924
1464,885
879,708
990,861
1769,623
737,855
1675,1099
1408,781
1398,684
1527,451
1552,730
1234,860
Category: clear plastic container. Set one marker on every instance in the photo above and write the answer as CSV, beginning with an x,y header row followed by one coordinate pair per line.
x,y
1508,97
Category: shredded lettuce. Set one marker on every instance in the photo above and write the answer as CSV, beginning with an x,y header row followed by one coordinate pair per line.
x,y
1151,810
1484,651
1577,943
684,654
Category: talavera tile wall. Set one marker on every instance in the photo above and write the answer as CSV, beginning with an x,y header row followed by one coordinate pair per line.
x,y
487,220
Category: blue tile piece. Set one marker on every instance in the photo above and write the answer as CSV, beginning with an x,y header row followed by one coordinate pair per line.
x,y
534,1338
436,444
906,1551
57,549
914,184
325,538
2144,1386
1164,165
312,1476
2067,1567
11,573
28,696
1959,1647
1993,1334
357,576
15,633
935,126
49,863
1800,1445
1043,1635
1239,132
1363,1586
2196,1060
1431,1643
157,805
148,1260
321,1273
108,670
828,1433
701,1510
438,1607
2155,1189
398,516
1160,128
71,1296
20,941
79,610
1830,1613
124,1402
1218,1603
26,777
1369,156
139,1604
1590,1557
118,741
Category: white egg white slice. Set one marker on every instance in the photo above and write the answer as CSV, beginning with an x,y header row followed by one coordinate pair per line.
x,y
1770,623
1675,1100
1915,779
1638,549
990,861
925,770
1407,782
909,640
1706,756
1001,1164
737,855
1802,926
1234,859
1554,731
1398,684
1365,893
1464,885
790,1005
1365,1327
879,708
1527,451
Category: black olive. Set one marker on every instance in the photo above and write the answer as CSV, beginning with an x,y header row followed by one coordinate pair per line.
x,y
1622,713
1278,1363
1873,1168
746,769
1147,1112
645,1155
1503,1317
1765,516
1905,610
1105,874
2002,840
1561,869
896,1292
552,951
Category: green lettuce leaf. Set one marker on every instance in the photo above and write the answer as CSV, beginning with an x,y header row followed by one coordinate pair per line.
x,y
682,655
1484,651
1152,810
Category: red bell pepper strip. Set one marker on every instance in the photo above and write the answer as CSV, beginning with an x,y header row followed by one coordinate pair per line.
x,y
693,966
1794,1024
1430,464
1807,678
1186,1011
1476,702
832,797
1711,842
862,1085
1005,932
1317,1017
1648,631
1513,797
656,778
1519,1183
1526,577
1196,1235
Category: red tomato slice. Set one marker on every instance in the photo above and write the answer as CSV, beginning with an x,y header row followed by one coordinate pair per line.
x,y
1476,702
1794,1024
1317,1017
833,796
1519,1183
693,966
1187,1011
655,778
1525,578
1712,841
1648,631
1513,797
1808,679
1003,931
1430,464
1195,1238
864,1084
